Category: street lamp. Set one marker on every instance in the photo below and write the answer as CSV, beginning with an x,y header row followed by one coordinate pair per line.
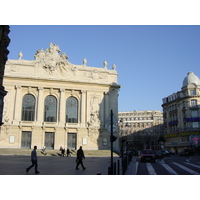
x,y
112,124
127,129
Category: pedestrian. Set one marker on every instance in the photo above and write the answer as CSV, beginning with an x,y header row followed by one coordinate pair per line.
x,y
68,152
79,158
44,150
63,152
34,161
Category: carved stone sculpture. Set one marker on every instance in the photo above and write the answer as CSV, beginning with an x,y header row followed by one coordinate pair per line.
x,y
51,60
20,55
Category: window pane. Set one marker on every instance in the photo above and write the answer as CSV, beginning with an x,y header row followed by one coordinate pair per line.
x,y
192,92
72,110
193,103
28,108
194,113
50,110
195,124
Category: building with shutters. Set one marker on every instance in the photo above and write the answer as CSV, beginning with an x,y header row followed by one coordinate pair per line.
x,y
142,129
181,112
53,102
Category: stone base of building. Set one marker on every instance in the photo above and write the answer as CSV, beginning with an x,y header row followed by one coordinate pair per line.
x,y
53,138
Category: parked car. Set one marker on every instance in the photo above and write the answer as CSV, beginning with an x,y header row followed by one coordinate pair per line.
x,y
172,152
165,153
186,152
148,155
159,155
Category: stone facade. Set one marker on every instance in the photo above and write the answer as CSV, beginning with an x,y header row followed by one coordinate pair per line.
x,y
182,115
55,103
143,121
142,128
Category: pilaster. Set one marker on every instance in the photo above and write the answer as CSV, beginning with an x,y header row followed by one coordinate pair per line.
x,y
62,107
18,104
40,106
83,108
106,105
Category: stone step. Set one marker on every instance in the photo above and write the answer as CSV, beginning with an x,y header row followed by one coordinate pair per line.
x,y
53,152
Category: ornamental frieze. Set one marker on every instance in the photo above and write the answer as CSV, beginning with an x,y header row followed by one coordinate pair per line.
x,y
53,64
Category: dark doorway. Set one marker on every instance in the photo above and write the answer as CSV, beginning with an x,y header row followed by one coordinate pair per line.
x,y
26,139
71,141
49,140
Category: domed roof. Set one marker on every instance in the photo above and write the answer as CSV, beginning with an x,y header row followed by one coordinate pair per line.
x,y
191,78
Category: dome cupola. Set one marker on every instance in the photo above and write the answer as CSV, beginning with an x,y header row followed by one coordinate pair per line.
x,y
191,78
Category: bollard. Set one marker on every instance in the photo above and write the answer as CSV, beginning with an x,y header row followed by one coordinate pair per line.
x,y
109,171
114,173
118,167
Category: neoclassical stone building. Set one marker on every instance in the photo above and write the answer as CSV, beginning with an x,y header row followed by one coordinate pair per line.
x,y
53,102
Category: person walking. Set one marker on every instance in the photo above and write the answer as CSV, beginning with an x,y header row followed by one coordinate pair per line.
x,y
79,158
63,152
68,152
34,161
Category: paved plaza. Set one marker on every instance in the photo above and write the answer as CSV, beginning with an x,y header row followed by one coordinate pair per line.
x,y
54,165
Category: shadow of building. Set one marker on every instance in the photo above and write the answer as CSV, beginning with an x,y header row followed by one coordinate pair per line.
x,y
4,42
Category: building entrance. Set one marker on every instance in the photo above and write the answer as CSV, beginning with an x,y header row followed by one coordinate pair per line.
x,y
26,139
49,140
71,141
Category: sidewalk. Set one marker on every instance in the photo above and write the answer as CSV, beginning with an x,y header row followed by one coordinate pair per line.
x,y
15,162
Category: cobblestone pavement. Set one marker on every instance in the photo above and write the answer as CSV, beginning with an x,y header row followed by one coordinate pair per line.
x,y
53,165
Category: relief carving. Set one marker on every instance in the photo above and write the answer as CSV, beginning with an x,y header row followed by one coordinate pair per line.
x,y
94,112
96,75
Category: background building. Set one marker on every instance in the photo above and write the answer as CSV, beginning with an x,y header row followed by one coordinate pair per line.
x,y
55,103
182,115
142,129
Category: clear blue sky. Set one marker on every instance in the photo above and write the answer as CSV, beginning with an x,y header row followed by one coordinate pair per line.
x,y
151,61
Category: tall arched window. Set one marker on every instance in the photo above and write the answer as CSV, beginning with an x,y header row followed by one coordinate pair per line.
x,y
72,110
50,109
28,108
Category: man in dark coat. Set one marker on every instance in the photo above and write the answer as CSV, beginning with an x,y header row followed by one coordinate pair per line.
x,y
34,161
79,158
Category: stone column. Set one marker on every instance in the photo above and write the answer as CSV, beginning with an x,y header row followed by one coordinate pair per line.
x,y
83,108
18,105
106,105
40,107
62,107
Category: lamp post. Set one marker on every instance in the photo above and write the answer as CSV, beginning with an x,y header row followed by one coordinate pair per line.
x,y
111,141
127,129
110,122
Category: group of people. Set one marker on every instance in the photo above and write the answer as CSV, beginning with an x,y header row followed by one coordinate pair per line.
x,y
79,159
68,152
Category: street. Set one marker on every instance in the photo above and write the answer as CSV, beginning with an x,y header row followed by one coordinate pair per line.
x,y
172,165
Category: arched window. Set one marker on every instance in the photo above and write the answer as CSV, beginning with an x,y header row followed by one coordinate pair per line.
x,y
50,109
28,108
72,110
